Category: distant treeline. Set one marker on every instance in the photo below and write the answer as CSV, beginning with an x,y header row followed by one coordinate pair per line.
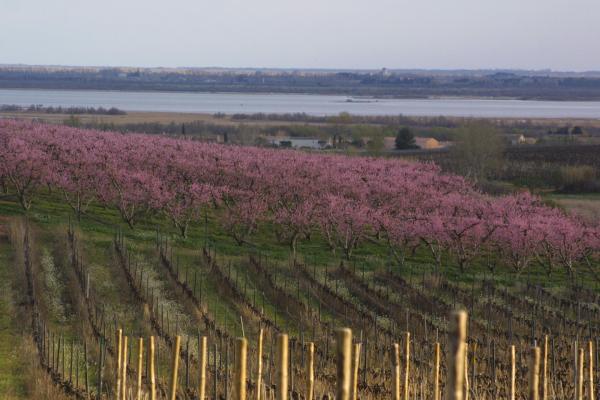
x,y
189,129
61,110
244,133
439,127
377,84
347,118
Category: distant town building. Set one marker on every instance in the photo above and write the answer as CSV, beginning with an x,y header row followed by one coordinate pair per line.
x,y
516,140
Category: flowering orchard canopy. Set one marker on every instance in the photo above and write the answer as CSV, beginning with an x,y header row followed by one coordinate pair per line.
x,y
406,205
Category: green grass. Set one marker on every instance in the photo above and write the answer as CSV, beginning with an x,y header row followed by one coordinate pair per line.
x,y
101,223
12,368
578,196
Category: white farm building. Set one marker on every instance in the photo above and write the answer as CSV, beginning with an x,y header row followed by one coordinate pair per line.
x,y
298,142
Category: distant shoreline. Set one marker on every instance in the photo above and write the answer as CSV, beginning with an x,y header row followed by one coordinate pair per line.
x,y
382,84
358,97
228,120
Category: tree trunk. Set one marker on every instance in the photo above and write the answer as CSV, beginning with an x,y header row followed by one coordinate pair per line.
x,y
293,243
24,201
183,228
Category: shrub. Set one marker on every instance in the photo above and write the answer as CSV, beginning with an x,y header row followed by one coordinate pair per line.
x,y
478,152
496,188
580,178
405,139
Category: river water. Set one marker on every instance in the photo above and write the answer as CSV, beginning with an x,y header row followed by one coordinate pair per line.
x,y
248,103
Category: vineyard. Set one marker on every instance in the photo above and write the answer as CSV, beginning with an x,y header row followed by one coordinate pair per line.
x,y
131,265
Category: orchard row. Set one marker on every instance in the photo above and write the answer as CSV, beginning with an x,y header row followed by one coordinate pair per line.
x,y
346,200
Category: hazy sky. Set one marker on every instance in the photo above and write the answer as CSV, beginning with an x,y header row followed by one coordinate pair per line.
x,y
532,34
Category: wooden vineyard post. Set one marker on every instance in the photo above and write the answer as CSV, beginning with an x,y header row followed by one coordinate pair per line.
x,y
174,369
282,367
456,357
355,365
203,360
534,373
310,372
215,372
344,363
436,372
71,363
187,364
119,361
513,372
152,376
291,377
396,371
124,370
259,363
545,370
466,371
241,354
580,374
226,383
406,365
101,355
591,370
85,366
61,346
139,369
473,380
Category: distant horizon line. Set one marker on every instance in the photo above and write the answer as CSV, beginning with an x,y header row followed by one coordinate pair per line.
x,y
305,69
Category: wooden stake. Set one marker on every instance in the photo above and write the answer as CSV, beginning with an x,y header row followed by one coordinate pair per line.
x,y
591,370
259,363
344,363
534,373
226,383
406,364
355,365
466,363
119,361
152,376
513,372
61,345
215,372
282,367
140,366
580,374
310,372
436,372
456,357
124,370
174,369
545,370
291,378
71,363
187,364
241,349
101,356
203,361
77,368
85,366
396,371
